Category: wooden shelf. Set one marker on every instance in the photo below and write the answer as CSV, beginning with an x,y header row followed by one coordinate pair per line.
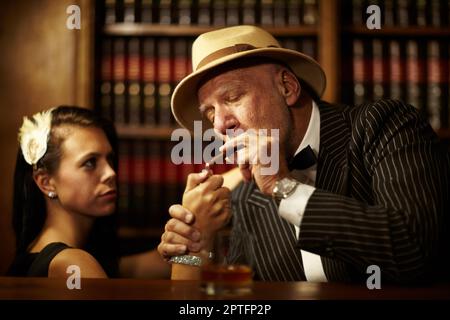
x,y
399,31
147,29
148,232
126,131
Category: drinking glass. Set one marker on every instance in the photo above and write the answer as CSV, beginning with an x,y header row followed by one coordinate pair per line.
x,y
230,271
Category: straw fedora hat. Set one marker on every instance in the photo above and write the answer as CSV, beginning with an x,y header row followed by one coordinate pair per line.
x,y
215,48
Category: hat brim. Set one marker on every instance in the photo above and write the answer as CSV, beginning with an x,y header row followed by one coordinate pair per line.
x,y
184,102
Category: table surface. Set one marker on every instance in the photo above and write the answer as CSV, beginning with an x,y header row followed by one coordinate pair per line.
x,y
140,289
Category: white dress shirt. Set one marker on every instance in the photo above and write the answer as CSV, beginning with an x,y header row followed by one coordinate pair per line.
x,y
293,207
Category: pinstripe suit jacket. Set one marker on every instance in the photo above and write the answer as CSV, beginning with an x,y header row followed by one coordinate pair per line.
x,y
382,198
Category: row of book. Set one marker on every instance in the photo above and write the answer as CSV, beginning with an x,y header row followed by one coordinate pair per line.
x,y
401,13
150,182
138,76
414,71
212,12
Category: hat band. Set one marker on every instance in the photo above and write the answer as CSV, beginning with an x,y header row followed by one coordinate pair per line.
x,y
240,47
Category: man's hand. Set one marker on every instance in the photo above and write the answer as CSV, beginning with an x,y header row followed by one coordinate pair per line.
x,y
260,157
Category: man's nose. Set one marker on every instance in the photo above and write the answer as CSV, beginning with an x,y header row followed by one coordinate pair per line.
x,y
223,120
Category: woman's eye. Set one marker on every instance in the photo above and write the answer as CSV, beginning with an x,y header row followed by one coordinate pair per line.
x,y
90,164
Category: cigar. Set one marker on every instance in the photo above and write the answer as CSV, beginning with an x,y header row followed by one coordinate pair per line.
x,y
228,154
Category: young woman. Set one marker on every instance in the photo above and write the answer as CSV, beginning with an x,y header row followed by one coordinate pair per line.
x,y
65,198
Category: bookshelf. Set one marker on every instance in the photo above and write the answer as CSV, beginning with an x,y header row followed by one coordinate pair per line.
x,y
127,131
407,59
142,50
148,29
398,31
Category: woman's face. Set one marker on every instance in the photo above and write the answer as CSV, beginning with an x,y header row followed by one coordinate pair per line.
x,y
85,180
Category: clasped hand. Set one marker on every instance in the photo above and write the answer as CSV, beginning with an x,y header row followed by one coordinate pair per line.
x,y
204,210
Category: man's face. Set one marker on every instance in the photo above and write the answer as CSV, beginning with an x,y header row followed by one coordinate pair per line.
x,y
246,98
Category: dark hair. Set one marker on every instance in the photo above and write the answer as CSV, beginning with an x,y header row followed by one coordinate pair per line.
x,y
29,208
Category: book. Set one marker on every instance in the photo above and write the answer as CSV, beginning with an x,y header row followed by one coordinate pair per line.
x,y
119,65
165,12
310,14
204,13
123,177
137,200
110,11
154,183
293,9
378,70
359,73
267,13
184,12
436,85
164,84
106,77
169,181
147,11
414,76
396,71
279,13
248,11
129,11
148,82
134,85
219,13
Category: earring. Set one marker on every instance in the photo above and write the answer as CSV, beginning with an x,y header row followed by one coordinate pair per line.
x,y
52,195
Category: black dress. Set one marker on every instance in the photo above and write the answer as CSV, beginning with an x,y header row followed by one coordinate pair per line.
x,y
35,264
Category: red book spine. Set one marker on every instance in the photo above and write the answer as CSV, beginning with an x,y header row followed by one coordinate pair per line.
x,y
106,76
124,181
414,75
153,173
119,72
164,82
358,72
148,82
134,75
137,200
378,69
435,85
397,71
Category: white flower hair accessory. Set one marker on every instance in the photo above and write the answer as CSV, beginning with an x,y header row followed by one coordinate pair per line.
x,y
34,135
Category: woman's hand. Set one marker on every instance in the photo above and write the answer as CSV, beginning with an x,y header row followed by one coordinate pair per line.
x,y
206,209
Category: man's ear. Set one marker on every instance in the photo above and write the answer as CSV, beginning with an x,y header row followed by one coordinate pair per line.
x,y
290,86
44,182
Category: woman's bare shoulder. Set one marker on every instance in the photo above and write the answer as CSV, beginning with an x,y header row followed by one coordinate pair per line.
x,y
83,261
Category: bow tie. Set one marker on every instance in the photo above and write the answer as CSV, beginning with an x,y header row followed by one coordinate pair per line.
x,y
303,160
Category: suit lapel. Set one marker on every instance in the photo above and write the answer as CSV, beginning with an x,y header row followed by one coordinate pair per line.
x,y
332,166
333,169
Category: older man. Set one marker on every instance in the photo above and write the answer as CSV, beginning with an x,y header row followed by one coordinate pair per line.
x,y
356,186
